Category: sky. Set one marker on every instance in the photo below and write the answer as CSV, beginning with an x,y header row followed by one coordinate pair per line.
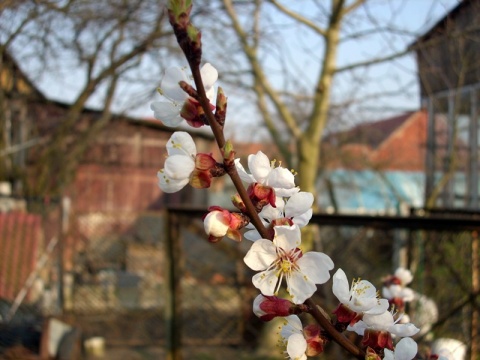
x,y
376,92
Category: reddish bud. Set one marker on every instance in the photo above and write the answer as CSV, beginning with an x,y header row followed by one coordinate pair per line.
x,y
220,222
261,195
269,307
377,339
315,340
346,316
201,177
193,113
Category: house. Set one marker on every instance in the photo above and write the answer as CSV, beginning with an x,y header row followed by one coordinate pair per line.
x,y
375,167
114,203
449,75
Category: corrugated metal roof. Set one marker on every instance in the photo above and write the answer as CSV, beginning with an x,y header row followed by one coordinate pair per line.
x,y
20,240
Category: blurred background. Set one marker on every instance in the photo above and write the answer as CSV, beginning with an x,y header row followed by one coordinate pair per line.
x,y
373,103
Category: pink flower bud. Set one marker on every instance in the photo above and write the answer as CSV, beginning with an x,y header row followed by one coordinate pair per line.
x,y
220,222
216,223
269,307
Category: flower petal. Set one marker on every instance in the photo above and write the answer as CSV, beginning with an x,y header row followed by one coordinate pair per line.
x,y
170,87
403,330
298,204
359,327
296,347
303,219
181,143
379,322
167,112
340,286
209,75
242,173
259,166
287,237
300,287
404,275
266,281
261,255
168,185
406,349
380,307
179,167
316,266
388,355
270,213
281,178
293,326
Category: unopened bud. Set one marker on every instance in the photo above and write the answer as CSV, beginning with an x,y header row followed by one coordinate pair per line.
x,y
228,153
179,12
221,107
238,203
220,222
269,307
195,44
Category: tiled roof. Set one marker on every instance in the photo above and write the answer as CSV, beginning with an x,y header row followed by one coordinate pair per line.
x,y
371,133
20,239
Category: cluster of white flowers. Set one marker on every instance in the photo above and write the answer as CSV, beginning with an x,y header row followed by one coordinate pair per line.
x,y
283,210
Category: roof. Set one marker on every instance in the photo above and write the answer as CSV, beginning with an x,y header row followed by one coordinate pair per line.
x,y
20,238
442,24
372,133
22,84
15,81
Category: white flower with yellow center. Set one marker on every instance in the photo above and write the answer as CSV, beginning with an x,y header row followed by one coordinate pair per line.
x,y
264,172
360,297
281,258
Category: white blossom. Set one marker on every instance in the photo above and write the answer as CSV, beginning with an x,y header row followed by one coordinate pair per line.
x,y
297,208
179,164
168,110
264,172
360,297
282,258
383,322
293,339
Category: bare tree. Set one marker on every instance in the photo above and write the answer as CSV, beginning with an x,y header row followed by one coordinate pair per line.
x,y
105,44
294,105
